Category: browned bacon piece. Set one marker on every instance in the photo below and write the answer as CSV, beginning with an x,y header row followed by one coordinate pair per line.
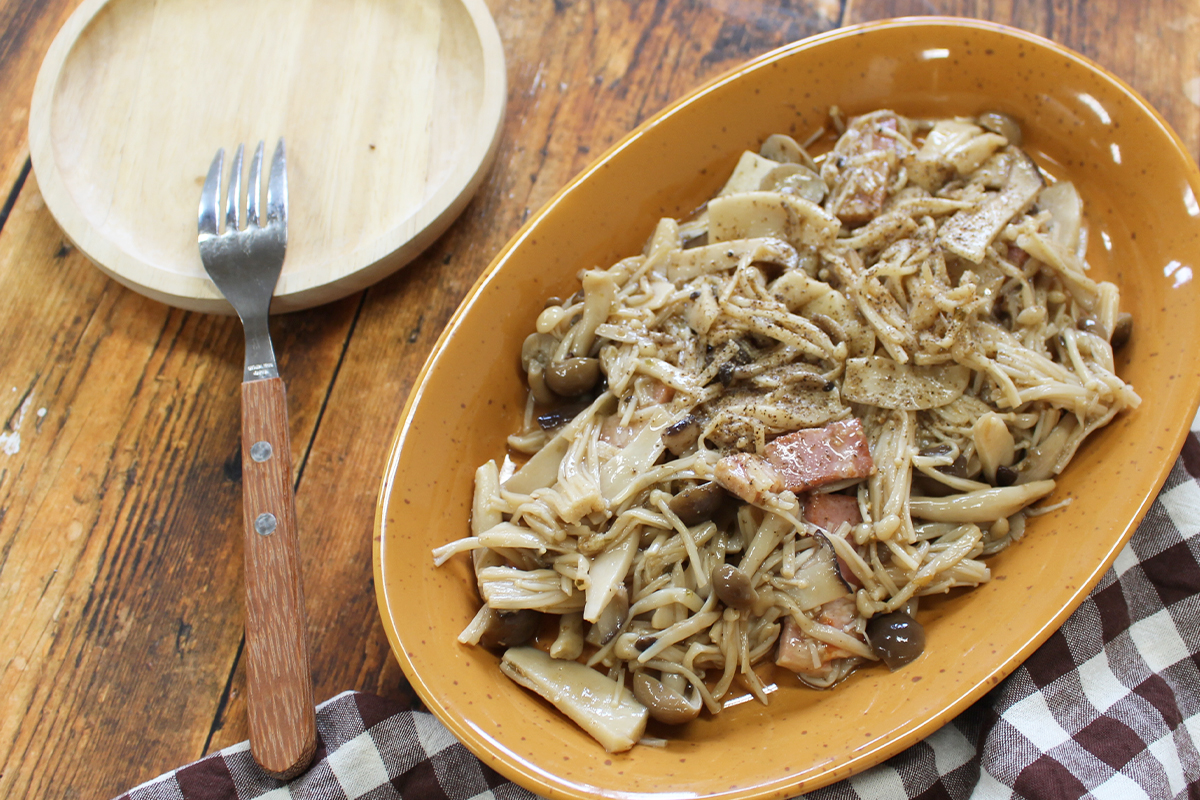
x,y
872,155
828,512
1017,256
748,477
808,656
814,457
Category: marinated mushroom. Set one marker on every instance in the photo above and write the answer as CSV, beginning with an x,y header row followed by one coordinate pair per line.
x,y
1003,124
896,638
969,232
510,628
784,149
1005,476
611,620
993,444
982,505
1122,329
883,382
797,180
1065,207
601,706
573,376
698,503
960,467
630,645
536,354
557,417
830,370
664,699
1092,326
733,587
568,644
680,436
753,215
819,580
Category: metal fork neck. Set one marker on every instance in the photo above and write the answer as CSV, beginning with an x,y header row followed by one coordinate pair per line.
x,y
260,356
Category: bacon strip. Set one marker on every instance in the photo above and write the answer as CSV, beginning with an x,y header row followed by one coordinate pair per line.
x,y
748,477
797,649
811,458
874,156
828,512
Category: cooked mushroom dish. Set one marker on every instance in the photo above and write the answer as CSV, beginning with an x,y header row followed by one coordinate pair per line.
x,y
835,389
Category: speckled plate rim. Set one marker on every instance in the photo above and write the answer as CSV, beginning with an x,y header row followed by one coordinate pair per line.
x,y
540,781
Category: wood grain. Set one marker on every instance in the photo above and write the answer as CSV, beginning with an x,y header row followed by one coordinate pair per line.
x,y
26,28
283,727
121,609
121,531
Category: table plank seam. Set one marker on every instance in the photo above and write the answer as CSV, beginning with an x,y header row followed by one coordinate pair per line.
x,y
332,383
223,703
15,192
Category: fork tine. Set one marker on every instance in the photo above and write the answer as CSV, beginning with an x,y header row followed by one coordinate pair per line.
x,y
232,209
210,195
254,190
277,193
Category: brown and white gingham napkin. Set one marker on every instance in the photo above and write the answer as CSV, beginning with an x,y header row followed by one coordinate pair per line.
x,y
1108,707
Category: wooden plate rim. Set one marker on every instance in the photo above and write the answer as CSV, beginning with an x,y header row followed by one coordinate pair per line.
x,y
298,289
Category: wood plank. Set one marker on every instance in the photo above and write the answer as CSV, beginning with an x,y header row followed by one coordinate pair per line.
x,y
120,520
79,476
26,29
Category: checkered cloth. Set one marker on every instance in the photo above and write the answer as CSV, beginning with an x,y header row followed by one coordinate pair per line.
x,y
1109,707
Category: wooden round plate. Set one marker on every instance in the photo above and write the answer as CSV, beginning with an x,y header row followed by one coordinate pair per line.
x,y
391,113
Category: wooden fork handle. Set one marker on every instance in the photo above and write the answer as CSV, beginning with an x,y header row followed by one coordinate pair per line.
x,y
283,730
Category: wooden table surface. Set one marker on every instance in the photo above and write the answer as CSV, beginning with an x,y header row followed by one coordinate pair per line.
x,y
120,524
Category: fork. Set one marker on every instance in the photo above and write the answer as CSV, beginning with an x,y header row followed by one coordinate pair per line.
x,y
245,264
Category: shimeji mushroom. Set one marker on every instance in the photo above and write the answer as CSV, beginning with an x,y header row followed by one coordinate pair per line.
x,y
604,708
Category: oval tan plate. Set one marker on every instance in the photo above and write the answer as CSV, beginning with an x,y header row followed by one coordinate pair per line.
x,y
1140,188
391,112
